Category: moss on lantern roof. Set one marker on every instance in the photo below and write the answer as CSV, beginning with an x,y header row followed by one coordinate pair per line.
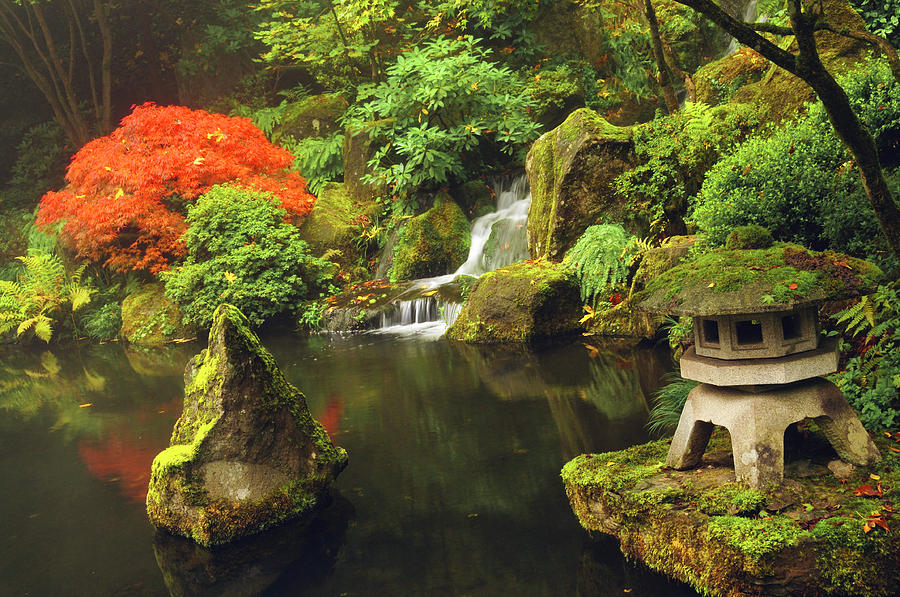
x,y
778,278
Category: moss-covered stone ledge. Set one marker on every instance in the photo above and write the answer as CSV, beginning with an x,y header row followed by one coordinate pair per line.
x,y
701,527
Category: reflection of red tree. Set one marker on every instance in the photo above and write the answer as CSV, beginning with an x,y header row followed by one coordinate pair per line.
x,y
331,418
126,451
123,459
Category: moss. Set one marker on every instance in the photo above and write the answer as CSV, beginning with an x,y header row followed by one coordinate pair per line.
x,y
717,81
703,528
314,116
571,170
234,390
150,319
528,301
434,243
749,237
757,280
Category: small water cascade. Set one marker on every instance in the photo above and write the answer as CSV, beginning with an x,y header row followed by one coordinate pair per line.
x,y
748,16
498,239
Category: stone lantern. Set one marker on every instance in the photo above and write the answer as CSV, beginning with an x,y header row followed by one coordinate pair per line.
x,y
760,358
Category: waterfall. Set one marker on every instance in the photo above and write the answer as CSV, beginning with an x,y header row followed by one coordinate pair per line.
x,y
749,16
498,239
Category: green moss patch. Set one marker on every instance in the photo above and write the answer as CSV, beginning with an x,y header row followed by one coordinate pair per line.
x,y
529,301
150,319
757,280
702,527
434,243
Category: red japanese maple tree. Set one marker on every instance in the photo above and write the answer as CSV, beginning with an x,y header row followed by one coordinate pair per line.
x,y
127,192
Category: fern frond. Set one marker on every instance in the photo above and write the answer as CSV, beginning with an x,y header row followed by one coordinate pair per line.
x,y
79,296
43,329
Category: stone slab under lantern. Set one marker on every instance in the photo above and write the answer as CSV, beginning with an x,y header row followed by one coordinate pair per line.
x,y
757,421
759,372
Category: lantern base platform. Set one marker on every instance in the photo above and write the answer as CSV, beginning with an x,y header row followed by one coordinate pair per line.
x,y
757,421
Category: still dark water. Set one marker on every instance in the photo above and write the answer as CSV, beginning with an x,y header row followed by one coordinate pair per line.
x,y
453,485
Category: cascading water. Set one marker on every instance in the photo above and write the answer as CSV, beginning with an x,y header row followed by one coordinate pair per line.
x,y
749,16
498,239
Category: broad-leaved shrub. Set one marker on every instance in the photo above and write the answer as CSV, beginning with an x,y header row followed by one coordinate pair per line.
x,y
242,251
799,182
440,105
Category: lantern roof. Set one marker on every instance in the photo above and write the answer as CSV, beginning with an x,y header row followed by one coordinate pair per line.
x,y
782,277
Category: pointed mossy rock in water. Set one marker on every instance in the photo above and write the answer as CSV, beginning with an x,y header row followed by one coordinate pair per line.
x,y
571,171
530,301
246,453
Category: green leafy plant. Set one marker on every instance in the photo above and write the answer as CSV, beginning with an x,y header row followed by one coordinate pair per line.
x,y
439,103
602,258
241,251
668,403
882,17
34,303
675,151
798,181
871,378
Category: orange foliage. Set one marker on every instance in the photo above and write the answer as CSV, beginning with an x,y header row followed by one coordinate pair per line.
x,y
127,193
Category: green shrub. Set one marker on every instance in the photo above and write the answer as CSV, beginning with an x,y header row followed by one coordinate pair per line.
x,y
242,252
103,322
39,167
749,237
675,151
440,105
799,183
602,258
882,17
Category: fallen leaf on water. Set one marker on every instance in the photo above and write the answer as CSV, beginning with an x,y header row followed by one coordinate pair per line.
x,y
874,477
430,293
85,405
592,351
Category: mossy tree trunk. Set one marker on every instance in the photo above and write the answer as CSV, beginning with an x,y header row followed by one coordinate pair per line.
x,y
807,65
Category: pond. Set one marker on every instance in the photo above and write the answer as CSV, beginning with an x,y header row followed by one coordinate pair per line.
x,y
453,484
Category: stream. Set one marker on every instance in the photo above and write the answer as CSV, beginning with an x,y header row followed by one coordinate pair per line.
x,y
453,484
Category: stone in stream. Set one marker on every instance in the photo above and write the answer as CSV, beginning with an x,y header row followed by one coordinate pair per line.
x,y
246,454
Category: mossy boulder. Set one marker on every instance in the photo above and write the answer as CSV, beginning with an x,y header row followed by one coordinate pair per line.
x,y
571,170
315,116
701,527
622,320
658,260
779,278
530,301
150,319
358,149
246,454
432,244
781,95
716,82
334,225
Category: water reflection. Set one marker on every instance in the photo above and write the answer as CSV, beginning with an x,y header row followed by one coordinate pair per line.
x,y
282,560
455,454
603,572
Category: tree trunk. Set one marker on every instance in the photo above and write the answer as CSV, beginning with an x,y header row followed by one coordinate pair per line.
x,y
665,77
807,65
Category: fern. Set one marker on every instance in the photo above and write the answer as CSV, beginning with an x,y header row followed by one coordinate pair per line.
x,y
30,304
601,259
318,159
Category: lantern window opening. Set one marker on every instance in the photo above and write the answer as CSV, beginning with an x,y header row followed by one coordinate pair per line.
x,y
748,332
710,331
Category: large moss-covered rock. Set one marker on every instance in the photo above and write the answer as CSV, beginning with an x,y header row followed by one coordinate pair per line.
x,y
432,244
334,225
530,301
246,453
716,82
571,170
150,319
780,94
701,527
315,116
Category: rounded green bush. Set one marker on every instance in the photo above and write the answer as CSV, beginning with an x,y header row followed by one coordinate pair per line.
x,y
241,251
